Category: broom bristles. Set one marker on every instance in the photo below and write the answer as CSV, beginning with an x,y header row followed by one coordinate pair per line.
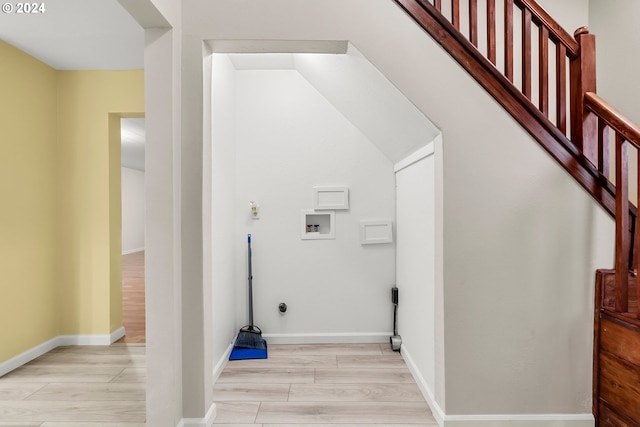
x,y
249,345
250,339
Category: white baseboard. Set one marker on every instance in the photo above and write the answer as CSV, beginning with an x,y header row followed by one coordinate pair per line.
x,y
28,356
522,420
93,339
116,335
328,338
217,370
436,410
491,420
60,340
132,251
207,421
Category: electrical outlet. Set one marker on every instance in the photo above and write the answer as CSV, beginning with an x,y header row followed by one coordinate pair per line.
x,y
254,210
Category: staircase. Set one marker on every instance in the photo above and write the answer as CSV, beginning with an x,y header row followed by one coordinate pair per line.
x,y
547,83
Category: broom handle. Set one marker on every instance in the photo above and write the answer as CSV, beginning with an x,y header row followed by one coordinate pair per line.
x,y
250,283
395,319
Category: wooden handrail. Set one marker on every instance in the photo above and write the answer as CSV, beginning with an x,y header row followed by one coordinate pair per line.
x,y
613,118
556,107
552,138
552,25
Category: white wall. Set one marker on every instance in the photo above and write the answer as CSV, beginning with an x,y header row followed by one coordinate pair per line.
x,y
415,266
521,245
615,25
290,139
223,188
132,210
570,14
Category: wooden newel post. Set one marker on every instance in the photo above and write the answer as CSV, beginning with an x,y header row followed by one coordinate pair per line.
x,y
584,125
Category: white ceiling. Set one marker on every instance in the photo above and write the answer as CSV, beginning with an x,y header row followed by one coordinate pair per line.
x,y
78,35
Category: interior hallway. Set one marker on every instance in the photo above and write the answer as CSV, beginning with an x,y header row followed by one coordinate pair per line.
x,y
133,298
328,385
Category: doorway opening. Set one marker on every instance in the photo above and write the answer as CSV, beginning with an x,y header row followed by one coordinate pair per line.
x,y
132,174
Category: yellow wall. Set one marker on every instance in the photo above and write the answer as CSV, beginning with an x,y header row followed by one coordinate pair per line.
x,y
60,224
28,287
89,202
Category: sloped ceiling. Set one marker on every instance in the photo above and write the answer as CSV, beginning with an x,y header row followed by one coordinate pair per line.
x,y
360,92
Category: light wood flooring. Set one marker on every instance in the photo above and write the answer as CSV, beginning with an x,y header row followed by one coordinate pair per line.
x,y
321,386
133,298
360,385
80,386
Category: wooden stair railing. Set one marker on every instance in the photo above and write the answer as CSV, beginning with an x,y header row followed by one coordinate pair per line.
x,y
578,52
569,120
558,122
626,137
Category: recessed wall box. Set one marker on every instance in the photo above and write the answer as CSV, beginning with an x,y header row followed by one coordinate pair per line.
x,y
318,224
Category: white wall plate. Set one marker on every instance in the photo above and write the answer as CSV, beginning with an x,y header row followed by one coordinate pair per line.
x,y
330,198
378,231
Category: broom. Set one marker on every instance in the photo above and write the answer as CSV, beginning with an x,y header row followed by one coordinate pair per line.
x,y
249,343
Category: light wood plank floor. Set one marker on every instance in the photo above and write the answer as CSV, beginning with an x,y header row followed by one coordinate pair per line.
x,y
80,386
133,298
362,385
